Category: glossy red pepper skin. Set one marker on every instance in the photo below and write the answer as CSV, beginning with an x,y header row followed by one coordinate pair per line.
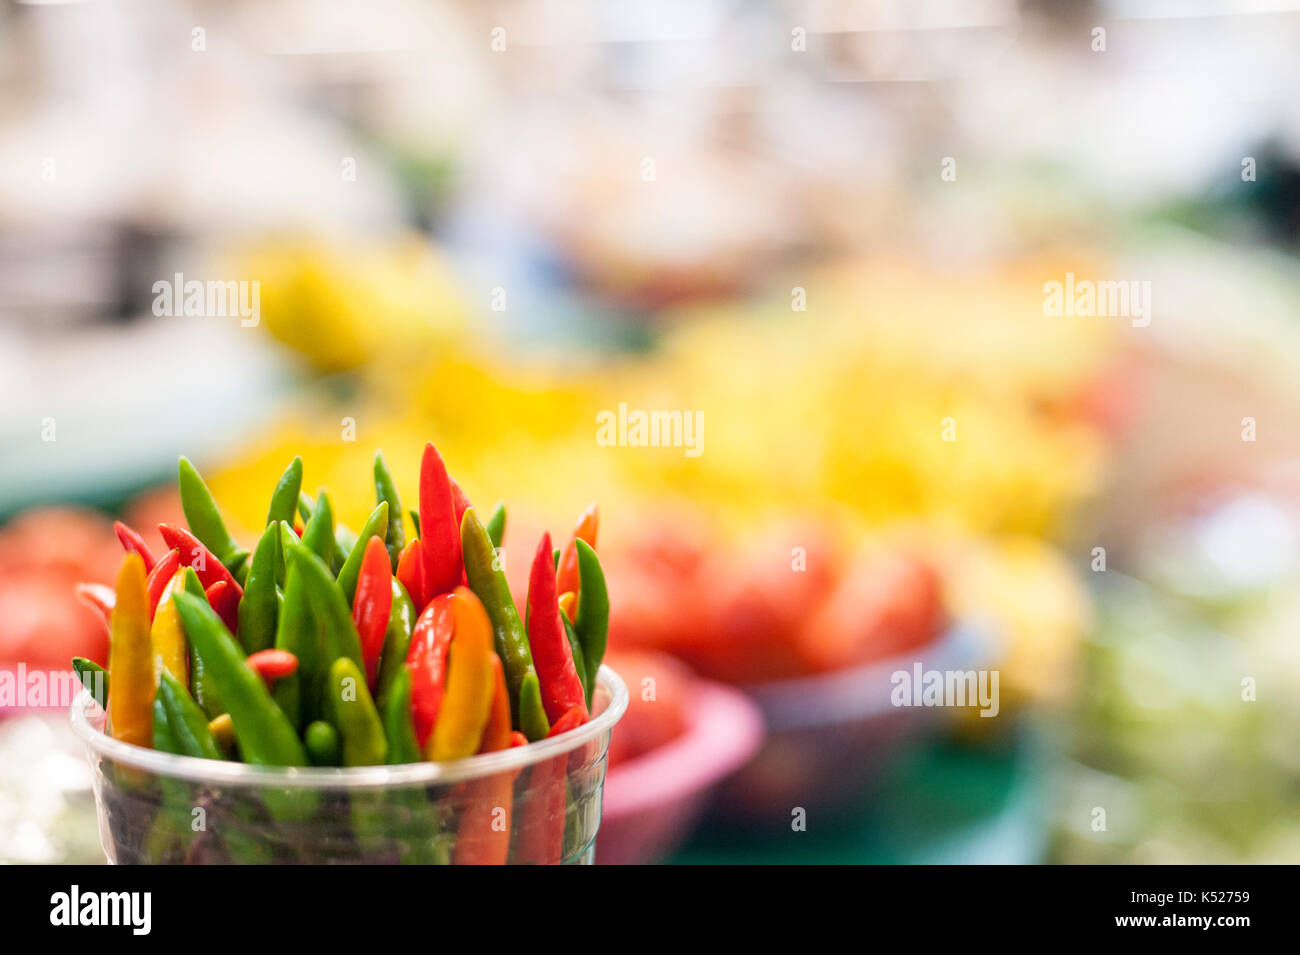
x,y
272,665
410,572
426,658
132,542
569,721
227,608
205,563
440,557
372,604
561,687
460,502
162,573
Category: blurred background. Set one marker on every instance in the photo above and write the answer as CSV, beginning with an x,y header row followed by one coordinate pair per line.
x,y
825,228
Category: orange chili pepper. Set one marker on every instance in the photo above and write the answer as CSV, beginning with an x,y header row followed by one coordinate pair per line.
x,y
567,579
130,657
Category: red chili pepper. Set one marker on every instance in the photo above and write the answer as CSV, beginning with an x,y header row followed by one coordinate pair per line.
x,y
162,573
426,658
541,830
517,739
561,688
411,573
99,596
227,608
272,665
205,564
439,531
567,577
461,504
134,543
459,501
569,721
373,603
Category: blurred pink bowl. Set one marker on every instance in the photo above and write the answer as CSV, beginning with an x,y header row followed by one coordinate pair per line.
x,y
652,802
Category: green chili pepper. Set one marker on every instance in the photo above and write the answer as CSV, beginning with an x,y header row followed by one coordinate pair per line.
x,y
202,688
164,740
579,664
376,525
296,633
259,606
401,622
322,742
186,722
591,620
496,525
362,733
532,711
284,499
337,632
488,581
386,491
93,677
192,584
204,518
287,537
415,521
398,726
306,507
164,840
318,535
411,818
265,735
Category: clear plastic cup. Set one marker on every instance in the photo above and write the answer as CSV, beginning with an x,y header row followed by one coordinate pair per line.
x,y
538,803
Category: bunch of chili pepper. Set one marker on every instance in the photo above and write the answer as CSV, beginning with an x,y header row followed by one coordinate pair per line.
x,y
319,647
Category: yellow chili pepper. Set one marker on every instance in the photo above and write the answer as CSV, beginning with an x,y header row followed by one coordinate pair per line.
x,y
567,600
468,697
170,651
223,728
130,660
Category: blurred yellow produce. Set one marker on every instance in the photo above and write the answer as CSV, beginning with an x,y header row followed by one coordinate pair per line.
x,y
942,400
363,302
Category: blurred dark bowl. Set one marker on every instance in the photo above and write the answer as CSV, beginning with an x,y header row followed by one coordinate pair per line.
x,y
830,736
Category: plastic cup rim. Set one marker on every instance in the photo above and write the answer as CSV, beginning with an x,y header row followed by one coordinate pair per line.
x,y
355,777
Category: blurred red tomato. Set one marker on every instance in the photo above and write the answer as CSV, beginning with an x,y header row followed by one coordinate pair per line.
x,y
767,610
44,554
